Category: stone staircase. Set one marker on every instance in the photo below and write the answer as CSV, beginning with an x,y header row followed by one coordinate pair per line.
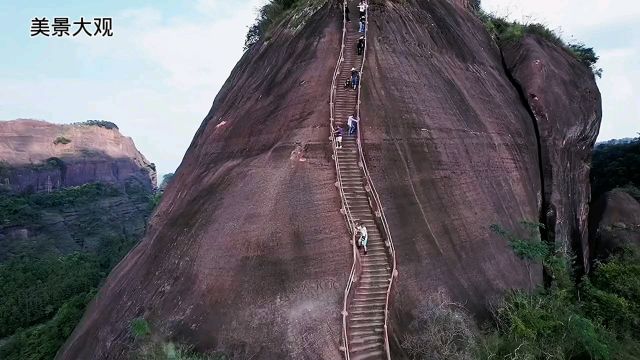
x,y
366,311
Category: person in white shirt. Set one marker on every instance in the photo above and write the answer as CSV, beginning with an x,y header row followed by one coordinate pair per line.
x,y
364,237
352,123
363,8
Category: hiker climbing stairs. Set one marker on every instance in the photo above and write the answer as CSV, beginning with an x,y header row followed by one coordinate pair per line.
x,y
365,315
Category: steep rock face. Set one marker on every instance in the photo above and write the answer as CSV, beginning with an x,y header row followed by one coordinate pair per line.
x,y
31,160
565,102
451,149
614,223
248,251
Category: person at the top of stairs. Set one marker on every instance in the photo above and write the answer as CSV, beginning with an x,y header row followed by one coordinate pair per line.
x,y
363,8
364,237
360,45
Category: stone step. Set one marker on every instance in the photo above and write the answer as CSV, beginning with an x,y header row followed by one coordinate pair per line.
x,y
377,354
368,332
366,347
365,318
366,298
367,311
366,338
366,324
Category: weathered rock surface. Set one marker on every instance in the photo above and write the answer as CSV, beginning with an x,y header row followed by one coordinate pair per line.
x,y
451,149
30,160
614,223
248,251
565,102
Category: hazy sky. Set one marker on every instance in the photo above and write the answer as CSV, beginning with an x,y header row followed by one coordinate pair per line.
x,y
158,75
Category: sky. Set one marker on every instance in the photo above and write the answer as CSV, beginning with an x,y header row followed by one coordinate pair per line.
x,y
157,76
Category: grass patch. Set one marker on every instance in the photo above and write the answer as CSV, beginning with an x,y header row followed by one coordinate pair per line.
x,y
61,140
508,32
274,11
99,123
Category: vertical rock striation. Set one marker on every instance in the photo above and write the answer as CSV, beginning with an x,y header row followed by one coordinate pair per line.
x,y
565,102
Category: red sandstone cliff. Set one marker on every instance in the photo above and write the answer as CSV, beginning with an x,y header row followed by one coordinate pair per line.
x,y
248,251
36,155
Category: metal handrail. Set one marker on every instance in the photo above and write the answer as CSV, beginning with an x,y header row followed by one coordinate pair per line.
x,y
345,207
376,197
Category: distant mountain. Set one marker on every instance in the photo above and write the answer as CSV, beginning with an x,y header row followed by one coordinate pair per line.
x,y
74,199
616,141
39,156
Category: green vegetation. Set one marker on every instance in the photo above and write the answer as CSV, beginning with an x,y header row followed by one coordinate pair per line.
x,y
61,140
616,165
267,15
25,209
140,328
150,348
273,12
166,179
44,288
595,317
99,123
508,32
42,299
43,341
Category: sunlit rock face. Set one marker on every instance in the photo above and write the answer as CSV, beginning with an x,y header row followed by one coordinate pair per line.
x,y
40,156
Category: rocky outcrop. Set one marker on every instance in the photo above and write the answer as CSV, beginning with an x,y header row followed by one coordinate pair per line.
x,y
614,223
39,156
452,150
565,102
248,251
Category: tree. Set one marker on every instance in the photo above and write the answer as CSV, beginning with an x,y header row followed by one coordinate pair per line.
x,y
166,179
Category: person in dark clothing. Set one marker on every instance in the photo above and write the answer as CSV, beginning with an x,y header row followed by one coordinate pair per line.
x,y
338,136
346,12
360,46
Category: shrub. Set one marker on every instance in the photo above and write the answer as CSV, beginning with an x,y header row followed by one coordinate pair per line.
x,y
530,248
61,140
99,123
508,32
140,328
441,330
597,319
268,14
